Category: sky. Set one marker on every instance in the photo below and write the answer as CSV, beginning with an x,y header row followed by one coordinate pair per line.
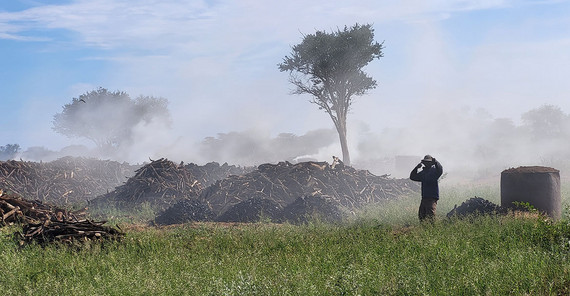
x,y
216,63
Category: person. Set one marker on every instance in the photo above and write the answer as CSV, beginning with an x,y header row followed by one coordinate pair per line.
x,y
430,172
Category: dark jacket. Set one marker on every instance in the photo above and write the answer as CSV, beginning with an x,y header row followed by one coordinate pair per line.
x,y
428,177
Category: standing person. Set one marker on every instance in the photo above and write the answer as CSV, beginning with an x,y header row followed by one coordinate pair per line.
x,y
429,175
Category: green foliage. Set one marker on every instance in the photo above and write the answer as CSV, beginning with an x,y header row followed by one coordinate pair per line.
x,y
333,63
554,236
108,118
525,206
139,214
566,213
500,256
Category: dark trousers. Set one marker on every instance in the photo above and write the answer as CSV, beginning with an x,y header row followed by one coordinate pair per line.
x,y
427,208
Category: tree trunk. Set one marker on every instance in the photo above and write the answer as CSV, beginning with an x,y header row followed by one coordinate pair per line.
x,y
343,142
344,146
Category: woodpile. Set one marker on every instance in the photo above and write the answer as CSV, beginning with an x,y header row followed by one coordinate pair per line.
x,y
285,182
15,209
230,193
68,180
163,183
286,192
50,231
44,224
211,172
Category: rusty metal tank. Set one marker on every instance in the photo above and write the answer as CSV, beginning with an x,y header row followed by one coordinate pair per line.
x,y
537,185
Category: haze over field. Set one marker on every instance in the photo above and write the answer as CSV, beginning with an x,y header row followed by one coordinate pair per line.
x,y
455,79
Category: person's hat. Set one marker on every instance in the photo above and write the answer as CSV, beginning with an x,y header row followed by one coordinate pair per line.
x,y
427,158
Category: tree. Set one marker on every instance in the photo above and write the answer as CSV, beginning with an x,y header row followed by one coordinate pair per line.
x,y
108,118
328,66
9,151
547,122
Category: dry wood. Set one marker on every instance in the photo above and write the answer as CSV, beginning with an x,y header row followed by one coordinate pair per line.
x,y
43,223
16,209
63,181
68,231
163,183
284,182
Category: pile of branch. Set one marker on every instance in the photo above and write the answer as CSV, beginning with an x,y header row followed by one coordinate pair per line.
x,y
68,231
68,180
285,182
14,209
163,183
43,223
211,172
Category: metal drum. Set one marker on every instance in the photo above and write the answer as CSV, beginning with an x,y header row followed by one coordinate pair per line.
x,y
537,185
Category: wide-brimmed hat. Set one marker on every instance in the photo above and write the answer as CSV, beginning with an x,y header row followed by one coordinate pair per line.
x,y
427,158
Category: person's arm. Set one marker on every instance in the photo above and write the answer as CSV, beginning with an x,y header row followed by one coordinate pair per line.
x,y
414,175
438,167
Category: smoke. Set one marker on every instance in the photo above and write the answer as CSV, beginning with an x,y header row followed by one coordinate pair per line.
x,y
471,143
247,148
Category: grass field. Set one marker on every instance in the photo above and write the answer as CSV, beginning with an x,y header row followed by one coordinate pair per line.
x,y
382,251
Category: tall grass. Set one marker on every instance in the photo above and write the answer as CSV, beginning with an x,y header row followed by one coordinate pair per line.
x,y
495,256
383,252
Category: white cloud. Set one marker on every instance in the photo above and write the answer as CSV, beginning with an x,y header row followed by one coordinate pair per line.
x,y
168,23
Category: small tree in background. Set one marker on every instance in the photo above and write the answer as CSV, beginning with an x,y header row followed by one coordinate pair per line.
x,y
328,66
108,118
547,122
9,151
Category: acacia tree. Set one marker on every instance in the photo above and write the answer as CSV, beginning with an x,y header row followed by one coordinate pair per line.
x,y
328,66
108,118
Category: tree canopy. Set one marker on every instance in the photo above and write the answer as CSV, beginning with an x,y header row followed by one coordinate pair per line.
x,y
329,66
547,122
108,118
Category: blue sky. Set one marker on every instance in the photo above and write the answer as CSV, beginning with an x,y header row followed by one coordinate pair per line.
x,y
216,61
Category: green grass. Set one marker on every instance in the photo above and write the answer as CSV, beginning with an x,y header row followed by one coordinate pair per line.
x,y
384,251
494,256
141,214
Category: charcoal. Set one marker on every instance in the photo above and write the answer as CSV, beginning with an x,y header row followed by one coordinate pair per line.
x,y
312,208
251,210
476,206
187,210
